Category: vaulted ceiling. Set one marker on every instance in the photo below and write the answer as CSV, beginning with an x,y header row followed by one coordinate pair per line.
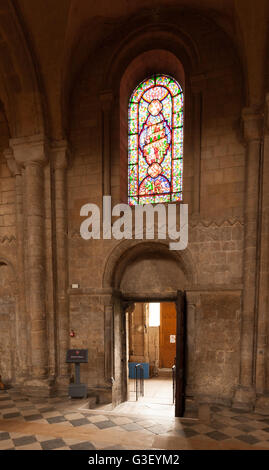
x,y
44,43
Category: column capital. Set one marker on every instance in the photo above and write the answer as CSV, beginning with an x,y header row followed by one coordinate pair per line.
x,y
30,149
193,298
60,154
106,98
252,119
11,162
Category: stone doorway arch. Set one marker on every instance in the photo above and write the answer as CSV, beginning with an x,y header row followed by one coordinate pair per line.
x,y
140,271
152,254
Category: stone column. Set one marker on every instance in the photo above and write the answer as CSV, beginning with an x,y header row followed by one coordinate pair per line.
x,y
22,356
192,301
59,158
245,395
30,152
108,343
262,376
106,98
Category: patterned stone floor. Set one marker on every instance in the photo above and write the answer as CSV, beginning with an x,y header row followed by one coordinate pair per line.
x,y
62,424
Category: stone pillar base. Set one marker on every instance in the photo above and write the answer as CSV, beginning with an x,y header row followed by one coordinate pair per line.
x,y
102,395
19,381
262,404
61,385
42,388
244,398
190,404
212,400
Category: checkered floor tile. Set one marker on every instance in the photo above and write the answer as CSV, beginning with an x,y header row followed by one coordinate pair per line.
x,y
249,429
11,441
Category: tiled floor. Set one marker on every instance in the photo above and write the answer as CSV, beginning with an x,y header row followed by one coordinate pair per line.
x,y
61,424
157,390
158,398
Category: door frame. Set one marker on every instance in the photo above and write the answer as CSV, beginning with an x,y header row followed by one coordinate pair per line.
x,y
179,298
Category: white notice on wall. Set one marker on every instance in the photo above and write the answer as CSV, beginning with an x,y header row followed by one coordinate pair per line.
x,y
172,338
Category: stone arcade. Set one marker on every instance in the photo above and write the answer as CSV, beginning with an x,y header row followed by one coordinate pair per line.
x,y
67,71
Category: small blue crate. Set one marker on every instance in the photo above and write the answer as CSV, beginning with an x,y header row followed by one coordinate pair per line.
x,y
132,369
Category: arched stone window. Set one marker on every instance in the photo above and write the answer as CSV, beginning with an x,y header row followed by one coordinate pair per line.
x,y
155,141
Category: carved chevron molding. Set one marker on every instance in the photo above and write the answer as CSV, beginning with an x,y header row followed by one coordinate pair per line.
x,y
7,239
194,222
197,221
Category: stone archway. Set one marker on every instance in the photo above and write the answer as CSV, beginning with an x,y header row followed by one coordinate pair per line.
x,y
20,87
128,252
143,271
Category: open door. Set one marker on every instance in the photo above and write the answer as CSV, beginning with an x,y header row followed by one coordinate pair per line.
x,y
168,327
180,354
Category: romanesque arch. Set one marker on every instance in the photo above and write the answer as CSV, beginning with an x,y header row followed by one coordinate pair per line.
x,y
130,251
19,84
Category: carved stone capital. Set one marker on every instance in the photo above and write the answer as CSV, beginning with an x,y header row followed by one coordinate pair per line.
x,y
60,154
193,298
30,149
11,162
106,98
252,119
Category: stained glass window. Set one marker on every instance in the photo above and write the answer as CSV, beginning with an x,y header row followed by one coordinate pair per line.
x,y
155,141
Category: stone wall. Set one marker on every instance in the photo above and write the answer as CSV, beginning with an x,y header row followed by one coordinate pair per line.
x,y
224,269
7,255
217,345
137,338
7,205
217,248
7,321
7,189
87,320
144,341
216,229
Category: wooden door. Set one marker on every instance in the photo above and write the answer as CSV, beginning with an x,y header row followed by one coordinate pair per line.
x,y
168,326
180,354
